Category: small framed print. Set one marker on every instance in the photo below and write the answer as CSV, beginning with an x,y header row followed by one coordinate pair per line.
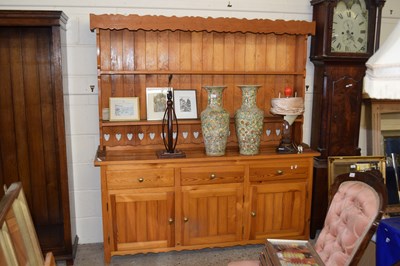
x,y
124,109
156,102
291,252
185,104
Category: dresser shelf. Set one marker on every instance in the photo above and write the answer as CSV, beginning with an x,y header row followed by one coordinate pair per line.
x,y
200,72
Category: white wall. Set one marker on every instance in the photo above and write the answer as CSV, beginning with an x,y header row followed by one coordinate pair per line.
x,y
81,103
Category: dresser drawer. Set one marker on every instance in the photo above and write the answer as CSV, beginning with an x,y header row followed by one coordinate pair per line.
x,y
140,178
211,175
279,170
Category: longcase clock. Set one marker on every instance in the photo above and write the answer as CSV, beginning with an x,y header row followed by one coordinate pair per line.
x,y
345,38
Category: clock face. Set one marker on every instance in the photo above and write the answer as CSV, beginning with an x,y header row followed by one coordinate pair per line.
x,y
350,27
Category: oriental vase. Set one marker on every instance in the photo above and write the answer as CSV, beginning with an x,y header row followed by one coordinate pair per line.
x,y
215,122
249,121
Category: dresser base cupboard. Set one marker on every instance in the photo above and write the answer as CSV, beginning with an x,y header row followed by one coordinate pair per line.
x,y
158,205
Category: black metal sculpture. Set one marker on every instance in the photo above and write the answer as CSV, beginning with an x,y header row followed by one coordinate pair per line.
x,y
170,122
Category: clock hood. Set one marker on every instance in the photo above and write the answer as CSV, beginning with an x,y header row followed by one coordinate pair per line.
x,y
382,79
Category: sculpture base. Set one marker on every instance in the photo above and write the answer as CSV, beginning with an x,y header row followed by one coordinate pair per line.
x,y
166,154
286,148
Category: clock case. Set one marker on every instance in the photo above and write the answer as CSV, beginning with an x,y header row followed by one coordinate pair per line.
x,y
337,98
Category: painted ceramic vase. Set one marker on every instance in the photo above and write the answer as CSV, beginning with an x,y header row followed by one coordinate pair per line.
x,y
215,122
249,121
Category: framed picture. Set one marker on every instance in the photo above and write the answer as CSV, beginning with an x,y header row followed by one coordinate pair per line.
x,y
156,102
338,165
291,252
185,104
124,109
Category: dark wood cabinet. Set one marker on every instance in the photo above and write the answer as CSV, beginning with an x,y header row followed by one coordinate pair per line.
x,y
32,142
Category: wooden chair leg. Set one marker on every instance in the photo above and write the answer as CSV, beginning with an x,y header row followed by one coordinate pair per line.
x,y
49,260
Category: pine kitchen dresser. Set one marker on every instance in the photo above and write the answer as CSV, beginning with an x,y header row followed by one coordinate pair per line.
x,y
157,205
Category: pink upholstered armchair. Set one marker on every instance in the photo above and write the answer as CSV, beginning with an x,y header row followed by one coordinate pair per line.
x,y
358,202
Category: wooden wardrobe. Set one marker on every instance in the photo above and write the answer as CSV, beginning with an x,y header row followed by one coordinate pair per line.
x,y
32,132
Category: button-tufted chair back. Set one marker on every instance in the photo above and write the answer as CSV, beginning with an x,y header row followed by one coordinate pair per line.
x,y
358,201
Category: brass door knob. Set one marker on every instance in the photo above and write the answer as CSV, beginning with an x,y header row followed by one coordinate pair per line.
x,y
253,214
170,220
213,176
141,179
279,172
185,219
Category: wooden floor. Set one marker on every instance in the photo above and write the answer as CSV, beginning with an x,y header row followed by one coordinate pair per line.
x,y
92,255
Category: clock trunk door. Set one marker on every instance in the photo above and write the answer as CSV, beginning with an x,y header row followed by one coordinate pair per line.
x,y
345,116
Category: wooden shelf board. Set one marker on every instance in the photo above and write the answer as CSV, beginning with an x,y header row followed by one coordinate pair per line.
x,y
199,72
232,153
105,123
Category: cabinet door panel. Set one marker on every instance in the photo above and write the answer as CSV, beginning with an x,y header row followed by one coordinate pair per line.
x,y
278,209
212,214
141,219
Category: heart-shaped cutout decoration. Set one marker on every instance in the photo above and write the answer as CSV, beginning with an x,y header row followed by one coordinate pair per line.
x,y
141,136
278,132
118,136
268,132
185,134
106,137
196,134
174,135
129,136
152,135
163,136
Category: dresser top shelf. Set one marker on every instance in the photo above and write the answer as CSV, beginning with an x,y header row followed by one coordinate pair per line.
x,y
136,53
225,25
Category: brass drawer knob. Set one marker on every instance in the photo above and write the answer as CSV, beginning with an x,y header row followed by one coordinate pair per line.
x,y
253,214
213,176
185,219
279,172
170,220
141,179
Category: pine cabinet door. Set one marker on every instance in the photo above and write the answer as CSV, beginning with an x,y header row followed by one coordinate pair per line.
x,y
212,214
142,219
278,210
